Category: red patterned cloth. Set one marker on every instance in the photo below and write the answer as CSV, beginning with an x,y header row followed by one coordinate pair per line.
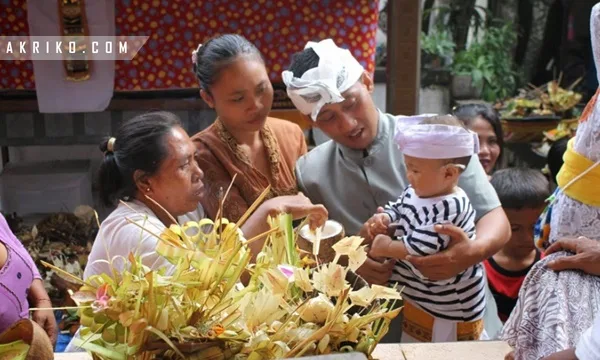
x,y
176,27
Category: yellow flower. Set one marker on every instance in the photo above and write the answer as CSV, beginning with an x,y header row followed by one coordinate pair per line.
x,y
302,280
362,297
384,292
316,310
357,257
163,320
347,245
350,246
365,296
330,279
261,308
172,235
275,281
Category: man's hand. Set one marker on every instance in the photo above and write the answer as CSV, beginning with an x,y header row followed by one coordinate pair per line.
x,y
375,272
586,258
450,262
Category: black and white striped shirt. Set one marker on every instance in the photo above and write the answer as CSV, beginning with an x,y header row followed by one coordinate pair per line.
x,y
461,298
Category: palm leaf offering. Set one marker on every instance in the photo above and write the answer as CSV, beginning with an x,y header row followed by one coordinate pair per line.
x,y
25,340
535,102
16,350
290,306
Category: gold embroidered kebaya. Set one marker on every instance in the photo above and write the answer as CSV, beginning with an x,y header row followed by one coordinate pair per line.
x,y
220,157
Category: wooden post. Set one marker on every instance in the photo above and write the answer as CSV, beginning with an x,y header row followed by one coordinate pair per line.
x,y
403,57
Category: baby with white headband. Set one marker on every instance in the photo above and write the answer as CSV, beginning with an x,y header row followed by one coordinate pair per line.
x,y
437,149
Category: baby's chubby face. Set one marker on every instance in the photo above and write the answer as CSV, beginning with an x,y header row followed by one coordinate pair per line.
x,y
431,177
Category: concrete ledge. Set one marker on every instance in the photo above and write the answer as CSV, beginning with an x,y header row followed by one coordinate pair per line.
x,y
472,350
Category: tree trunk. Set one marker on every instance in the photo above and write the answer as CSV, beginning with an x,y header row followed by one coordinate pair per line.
x,y
463,11
427,18
536,36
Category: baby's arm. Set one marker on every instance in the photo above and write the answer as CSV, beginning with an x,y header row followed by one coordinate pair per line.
x,y
384,246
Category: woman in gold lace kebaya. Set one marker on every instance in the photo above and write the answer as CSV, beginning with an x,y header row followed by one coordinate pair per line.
x,y
243,140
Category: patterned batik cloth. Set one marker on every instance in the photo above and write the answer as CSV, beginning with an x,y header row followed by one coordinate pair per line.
x,y
555,308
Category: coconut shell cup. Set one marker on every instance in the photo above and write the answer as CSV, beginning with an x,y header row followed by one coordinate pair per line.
x,y
331,233
40,347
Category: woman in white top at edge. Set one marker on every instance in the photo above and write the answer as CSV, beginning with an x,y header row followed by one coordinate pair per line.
x,y
152,156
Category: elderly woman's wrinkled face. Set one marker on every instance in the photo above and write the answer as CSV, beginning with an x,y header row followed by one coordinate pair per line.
x,y
177,185
352,122
243,95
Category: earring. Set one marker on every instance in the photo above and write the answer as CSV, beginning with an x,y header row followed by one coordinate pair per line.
x,y
147,189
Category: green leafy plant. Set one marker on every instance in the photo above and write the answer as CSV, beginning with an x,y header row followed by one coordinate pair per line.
x,y
457,18
473,61
437,48
490,63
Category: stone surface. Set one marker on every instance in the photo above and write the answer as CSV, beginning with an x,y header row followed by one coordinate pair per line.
x,y
58,125
126,115
472,350
352,356
200,120
184,116
97,123
19,125
434,99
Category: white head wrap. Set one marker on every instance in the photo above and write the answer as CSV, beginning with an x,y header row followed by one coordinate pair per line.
x,y
433,141
338,70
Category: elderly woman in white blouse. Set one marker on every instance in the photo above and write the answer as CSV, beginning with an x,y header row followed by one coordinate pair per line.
x,y
152,156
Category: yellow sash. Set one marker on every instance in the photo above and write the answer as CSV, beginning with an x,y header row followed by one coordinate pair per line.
x,y
584,189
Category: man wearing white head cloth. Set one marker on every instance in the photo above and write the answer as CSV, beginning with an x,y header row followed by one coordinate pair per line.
x,y
362,167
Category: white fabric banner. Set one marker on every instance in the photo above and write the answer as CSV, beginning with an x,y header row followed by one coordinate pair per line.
x,y
54,93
